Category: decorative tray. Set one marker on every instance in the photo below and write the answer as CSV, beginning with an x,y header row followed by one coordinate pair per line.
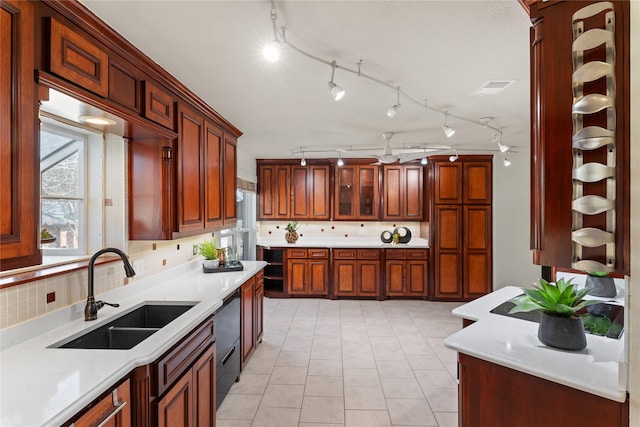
x,y
224,269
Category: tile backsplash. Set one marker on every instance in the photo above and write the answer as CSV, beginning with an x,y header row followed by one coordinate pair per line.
x,y
27,301
336,229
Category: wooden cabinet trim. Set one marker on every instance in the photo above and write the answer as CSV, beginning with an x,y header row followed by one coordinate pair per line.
x,y
345,253
158,105
318,253
369,253
296,253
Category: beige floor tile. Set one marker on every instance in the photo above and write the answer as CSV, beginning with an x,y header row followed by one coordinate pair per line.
x,y
355,418
410,412
356,377
400,369
322,410
283,396
276,417
293,358
250,384
259,366
442,399
426,362
324,386
233,423
358,361
288,375
364,398
401,388
435,379
320,425
446,419
325,367
238,407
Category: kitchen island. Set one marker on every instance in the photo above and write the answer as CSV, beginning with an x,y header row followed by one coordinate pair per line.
x,y
43,386
507,377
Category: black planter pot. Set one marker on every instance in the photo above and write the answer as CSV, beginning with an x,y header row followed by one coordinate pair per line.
x,y
565,333
602,286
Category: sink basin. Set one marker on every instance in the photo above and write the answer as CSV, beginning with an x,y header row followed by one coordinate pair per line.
x,y
129,329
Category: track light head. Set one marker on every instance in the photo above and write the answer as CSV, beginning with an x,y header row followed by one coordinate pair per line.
x,y
454,157
336,91
340,161
271,51
303,162
424,160
503,148
506,161
448,132
392,111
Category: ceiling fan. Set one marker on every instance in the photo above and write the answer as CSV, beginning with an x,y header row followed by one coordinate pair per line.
x,y
388,157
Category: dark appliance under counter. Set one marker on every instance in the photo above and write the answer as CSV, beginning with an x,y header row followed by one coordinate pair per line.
x,y
227,324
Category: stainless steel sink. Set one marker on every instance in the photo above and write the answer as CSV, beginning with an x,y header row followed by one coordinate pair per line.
x,y
129,329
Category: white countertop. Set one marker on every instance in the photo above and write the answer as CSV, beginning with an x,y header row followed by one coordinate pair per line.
x,y
514,343
340,242
43,386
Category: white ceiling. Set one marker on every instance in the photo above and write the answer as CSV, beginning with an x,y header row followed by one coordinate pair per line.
x,y
438,51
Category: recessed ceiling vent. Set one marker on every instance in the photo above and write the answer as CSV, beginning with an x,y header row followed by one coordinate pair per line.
x,y
493,87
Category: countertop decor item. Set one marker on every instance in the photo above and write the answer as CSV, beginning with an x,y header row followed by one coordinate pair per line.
x,y
209,250
602,285
291,236
560,327
46,236
404,234
386,236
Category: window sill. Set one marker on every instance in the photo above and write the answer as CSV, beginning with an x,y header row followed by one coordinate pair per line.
x,y
51,266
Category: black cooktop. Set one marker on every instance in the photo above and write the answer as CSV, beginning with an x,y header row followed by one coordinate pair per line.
x,y
599,319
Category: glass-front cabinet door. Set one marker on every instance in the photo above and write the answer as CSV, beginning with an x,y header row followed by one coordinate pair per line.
x,y
356,192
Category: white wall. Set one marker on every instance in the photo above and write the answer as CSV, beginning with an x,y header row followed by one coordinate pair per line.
x,y
247,168
633,302
512,257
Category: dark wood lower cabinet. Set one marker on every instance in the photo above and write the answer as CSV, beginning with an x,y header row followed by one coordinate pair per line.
x,y
492,395
356,273
112,410
406,273
247,325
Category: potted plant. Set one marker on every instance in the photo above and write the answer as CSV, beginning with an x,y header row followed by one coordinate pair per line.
x,y
602,285
560,326
291,236
208,249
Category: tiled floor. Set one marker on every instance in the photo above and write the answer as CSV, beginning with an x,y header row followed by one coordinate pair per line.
x,y
348,363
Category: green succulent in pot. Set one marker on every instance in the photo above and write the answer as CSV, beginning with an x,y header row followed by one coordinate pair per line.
x,y
559,302
208,249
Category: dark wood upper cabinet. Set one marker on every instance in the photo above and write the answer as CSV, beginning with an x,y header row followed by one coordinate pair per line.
x,y
124,86
477,183
19,140
552,131
213,175
190,162
356,194
287,191
158,105
403,194
78,59
230,162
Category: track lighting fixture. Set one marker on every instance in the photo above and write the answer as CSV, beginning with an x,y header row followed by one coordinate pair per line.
x,y
424,160
498,139
272,50
446,129
303,162
454,157
392,111
340,161
336,91
506,161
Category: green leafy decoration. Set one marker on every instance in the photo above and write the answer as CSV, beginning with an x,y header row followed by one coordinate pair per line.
x,y
561,299
208,249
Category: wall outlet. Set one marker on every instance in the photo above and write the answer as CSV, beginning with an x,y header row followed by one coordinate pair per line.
x,y
194,251
138,266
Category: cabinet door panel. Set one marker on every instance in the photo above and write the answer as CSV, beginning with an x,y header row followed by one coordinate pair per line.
x,y
19,140
247,335
318,276
282,187
369,278
299,192
174,409
190,204
213,175
106,412
448,252
477,183
394,273
368,192
158,105
78,60
344,278
259,306
296,276
345,204
319,194
448,280
449,233
230,178
392,192
204,388
477,251
413,198
417,278
266,192
124,86
448,183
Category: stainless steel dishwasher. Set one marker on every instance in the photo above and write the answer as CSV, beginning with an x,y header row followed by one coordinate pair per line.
x,y
227,327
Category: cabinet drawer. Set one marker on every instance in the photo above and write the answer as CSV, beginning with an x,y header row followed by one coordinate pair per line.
x,y
174,363
124,86
345,253
368,253
318,253
158,105
296,253
78,60
416,254
395,254
114,408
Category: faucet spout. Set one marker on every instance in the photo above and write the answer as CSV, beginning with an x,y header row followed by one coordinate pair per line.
x,y
92,307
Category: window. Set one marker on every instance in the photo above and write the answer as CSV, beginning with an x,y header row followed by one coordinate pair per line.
x,y
62,191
